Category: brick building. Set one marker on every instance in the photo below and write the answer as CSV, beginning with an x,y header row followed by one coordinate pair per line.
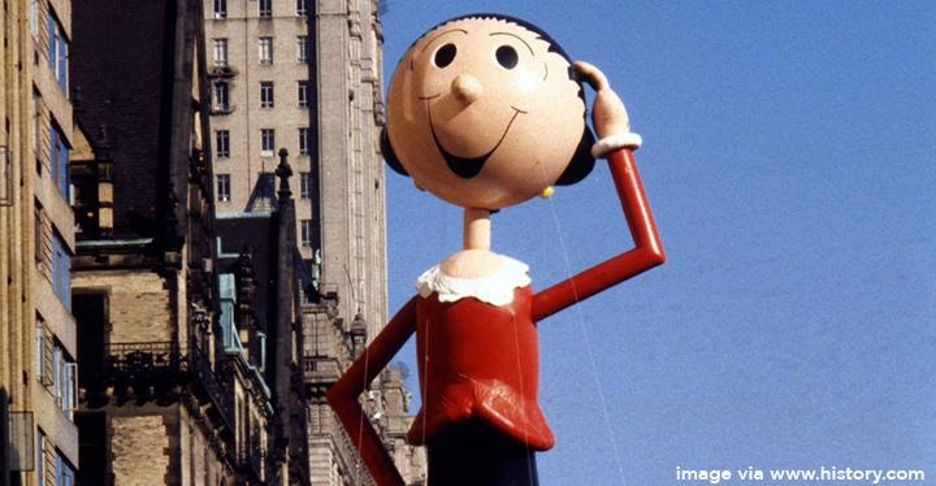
x,y
306,75
190,356
38,437
178,384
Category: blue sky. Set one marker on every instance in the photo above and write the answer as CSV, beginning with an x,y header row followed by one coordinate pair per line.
x,y
789,160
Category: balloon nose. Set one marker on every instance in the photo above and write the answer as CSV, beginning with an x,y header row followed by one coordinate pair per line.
x,y
466,88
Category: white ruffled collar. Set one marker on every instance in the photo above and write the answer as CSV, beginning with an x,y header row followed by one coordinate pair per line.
x,y
495,289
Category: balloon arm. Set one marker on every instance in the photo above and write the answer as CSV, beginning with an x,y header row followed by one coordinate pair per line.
x,y
343,395
647,253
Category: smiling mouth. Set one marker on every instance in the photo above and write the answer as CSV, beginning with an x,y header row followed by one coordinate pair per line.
x,y
467,167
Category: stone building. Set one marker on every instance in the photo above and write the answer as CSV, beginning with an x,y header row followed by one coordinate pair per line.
x,y
260,269
38,437
306,75
177,383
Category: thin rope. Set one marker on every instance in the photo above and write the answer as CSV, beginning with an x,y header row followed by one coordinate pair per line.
x,y
580,317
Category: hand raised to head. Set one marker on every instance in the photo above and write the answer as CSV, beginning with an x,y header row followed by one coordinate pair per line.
x,y
608,113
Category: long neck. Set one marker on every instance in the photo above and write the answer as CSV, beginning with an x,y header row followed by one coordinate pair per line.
x,y
477,230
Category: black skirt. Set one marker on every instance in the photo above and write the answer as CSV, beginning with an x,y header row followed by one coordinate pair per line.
x,y
474,454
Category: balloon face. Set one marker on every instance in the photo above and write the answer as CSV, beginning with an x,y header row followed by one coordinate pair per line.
x,y
482,114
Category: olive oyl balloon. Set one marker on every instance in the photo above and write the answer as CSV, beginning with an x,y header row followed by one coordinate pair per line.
x,y
486,112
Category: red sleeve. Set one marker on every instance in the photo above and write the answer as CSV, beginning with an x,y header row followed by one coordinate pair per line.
x,y
648,251
343,395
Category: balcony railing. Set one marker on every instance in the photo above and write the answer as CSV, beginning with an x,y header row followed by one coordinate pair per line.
x,y
137,358
154,371
209,383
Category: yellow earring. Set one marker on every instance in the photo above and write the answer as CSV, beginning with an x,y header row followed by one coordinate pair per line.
x,y
549,191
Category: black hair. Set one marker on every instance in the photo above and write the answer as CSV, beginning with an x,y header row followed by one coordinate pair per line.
x,y
581,163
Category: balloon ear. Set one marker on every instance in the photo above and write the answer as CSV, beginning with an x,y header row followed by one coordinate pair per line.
x,y
582,161
389,155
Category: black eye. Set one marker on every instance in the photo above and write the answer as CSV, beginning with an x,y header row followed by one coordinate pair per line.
x,y
445,55
506,56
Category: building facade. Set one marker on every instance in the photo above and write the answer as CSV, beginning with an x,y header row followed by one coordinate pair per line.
x,y
178,385
306,75
38,436
149,378
181,363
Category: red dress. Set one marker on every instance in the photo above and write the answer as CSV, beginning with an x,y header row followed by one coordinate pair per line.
x,y
479,360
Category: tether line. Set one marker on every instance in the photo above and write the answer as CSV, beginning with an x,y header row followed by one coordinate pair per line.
x,y
580,317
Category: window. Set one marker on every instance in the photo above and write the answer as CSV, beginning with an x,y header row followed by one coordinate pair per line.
x,y
229,337
45,352
306,237
267,141
40,455
266,8
57,370
64,472
305,185
37,130
266,94
305,141
220,52
58,52
58,160
220,9
303,94
261,337
63,387
220,99
224,187
61,270
265,50
302,48
302,7
223,144
37,231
